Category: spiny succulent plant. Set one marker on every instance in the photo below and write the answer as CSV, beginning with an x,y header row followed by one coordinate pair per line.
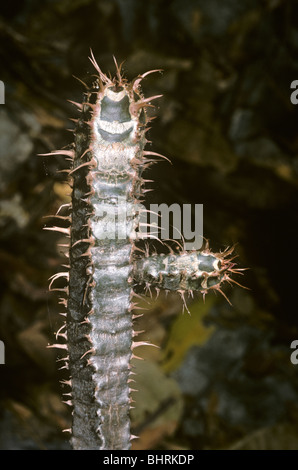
x,y
107,259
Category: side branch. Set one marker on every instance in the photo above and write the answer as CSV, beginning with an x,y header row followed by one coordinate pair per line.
x,y
200,271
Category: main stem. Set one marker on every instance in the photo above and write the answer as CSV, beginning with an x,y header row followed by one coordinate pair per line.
x,y
106,186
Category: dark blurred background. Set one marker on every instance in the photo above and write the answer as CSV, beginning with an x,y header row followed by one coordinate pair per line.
x,y
222,378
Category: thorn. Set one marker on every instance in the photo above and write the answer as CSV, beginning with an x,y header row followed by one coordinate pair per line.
x,y
63,359
65,289
86,151
118,70
150,98
83,83
134,306
134,317
138,79
91,164
58,346
228,279
66,231
62,217
102,76
130,380
90,240
148,152
57,276
67,153
136,344
78,105
134,294
136,333
87,253
62,206
133,356
66,382
223,294
91,351
61,335
181,292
